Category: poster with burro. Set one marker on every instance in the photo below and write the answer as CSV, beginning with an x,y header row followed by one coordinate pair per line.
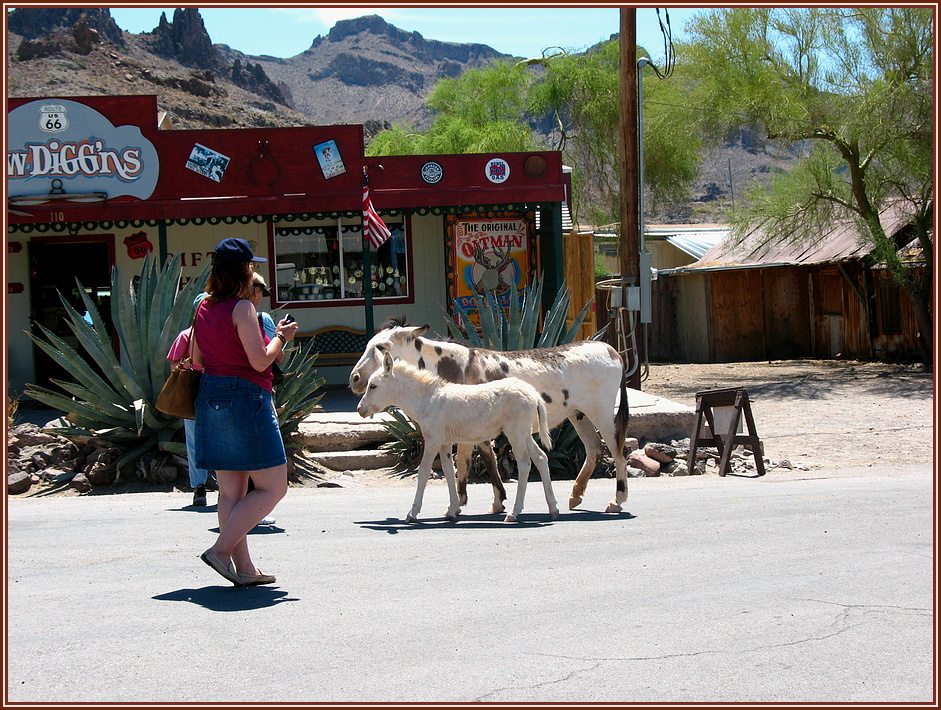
x,y
490,256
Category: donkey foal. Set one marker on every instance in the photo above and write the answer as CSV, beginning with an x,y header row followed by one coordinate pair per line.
x,y
464,414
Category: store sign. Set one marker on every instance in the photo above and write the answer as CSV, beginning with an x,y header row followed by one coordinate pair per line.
x,y
489,256
66,141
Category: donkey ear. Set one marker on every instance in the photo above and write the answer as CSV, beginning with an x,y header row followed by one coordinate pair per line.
x,y
420,330
387,362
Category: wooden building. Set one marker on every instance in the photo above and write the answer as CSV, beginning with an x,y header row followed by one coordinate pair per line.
x,y
823,300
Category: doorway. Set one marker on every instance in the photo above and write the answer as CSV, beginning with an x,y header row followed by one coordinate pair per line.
x,y
54,266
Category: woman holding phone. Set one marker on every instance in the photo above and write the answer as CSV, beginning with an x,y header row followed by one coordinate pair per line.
x,y
236,428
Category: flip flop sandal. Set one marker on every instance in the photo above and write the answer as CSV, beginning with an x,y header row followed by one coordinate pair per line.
x,y
250,580
214,561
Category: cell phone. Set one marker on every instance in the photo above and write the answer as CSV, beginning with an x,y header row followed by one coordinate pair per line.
x,y
288,318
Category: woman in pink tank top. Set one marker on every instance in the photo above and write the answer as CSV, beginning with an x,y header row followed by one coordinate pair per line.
x,y
236,426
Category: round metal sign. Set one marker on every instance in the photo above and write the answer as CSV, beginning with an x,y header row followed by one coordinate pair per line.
x,y
497,170
432,172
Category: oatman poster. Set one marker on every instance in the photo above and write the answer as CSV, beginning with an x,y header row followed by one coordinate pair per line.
x,y
493,254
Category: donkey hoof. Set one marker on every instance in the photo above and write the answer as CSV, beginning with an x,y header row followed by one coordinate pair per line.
x,y
497,508
510,518
574,502
411,518
613,508
452,516
553,514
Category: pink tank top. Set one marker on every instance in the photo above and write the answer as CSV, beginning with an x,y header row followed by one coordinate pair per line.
x,y
221,346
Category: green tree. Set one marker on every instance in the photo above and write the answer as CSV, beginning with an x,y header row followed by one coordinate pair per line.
x,y
853,88
480,111
582,94
496,109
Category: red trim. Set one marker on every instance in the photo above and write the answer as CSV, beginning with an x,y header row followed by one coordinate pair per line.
x,y
285,157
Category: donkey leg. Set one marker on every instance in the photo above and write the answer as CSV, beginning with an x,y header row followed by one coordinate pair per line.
x,y
447,466
424,473
523,466
607,430
490,462
542,464
464,453
586,432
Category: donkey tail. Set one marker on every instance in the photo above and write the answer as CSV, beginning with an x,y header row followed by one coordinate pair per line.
x,y
623,413
544,435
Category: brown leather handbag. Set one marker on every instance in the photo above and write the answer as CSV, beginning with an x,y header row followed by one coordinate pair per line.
x,y
178,396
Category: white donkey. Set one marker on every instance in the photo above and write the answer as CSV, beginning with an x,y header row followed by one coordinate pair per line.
x,y
449,414
582,382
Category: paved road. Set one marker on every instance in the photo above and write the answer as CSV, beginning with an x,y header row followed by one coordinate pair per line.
x,y
798,587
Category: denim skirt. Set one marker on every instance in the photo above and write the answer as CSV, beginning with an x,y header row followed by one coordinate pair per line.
x,y
236,426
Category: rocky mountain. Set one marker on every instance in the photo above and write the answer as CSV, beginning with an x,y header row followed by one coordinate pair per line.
x,y
364,71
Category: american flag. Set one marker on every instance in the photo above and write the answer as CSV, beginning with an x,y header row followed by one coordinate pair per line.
x,y
374,229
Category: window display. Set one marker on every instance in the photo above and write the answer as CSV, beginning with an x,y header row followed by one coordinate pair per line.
x,y
324,262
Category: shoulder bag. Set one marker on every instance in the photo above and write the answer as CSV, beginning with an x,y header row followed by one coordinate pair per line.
x,y
178,396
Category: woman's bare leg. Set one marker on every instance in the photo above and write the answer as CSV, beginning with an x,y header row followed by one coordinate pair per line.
x,y
239,511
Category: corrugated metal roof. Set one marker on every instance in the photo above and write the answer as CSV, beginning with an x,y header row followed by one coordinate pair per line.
x,y
843,242
696,244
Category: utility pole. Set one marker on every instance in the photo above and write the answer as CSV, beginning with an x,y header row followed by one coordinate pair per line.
x,y
629,244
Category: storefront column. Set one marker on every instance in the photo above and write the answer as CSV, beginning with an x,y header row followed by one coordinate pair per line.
x,y
551,253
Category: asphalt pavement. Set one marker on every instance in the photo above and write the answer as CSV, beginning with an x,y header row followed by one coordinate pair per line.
x,y
798,587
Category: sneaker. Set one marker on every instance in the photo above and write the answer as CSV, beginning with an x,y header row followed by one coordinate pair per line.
x,y
266,521
199,495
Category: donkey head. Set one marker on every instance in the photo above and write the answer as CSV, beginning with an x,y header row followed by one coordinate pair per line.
x,y
377,396
394,339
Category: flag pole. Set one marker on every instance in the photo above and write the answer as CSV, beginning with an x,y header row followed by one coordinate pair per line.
x,y
367,275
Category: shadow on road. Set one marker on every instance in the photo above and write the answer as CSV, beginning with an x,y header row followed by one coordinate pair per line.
x,y
488,521
233,598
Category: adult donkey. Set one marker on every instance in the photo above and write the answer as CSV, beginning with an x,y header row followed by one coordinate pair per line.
x,y
582,382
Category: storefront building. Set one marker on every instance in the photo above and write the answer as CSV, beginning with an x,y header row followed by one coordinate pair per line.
x,y
93,183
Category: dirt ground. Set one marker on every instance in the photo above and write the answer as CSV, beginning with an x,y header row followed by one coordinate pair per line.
x,y
815,414
821,413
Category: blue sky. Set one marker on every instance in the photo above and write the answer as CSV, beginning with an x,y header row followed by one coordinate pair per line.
x,y
286,31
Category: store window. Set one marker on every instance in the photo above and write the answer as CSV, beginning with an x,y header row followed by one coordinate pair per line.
x,y
323,261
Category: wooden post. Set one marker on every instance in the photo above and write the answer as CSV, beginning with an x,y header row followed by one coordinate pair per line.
x,y
579,264
629,243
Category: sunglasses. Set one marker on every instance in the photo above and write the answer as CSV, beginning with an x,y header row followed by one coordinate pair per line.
x,y
264,290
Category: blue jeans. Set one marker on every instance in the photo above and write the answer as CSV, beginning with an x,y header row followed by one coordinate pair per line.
x,y
198,476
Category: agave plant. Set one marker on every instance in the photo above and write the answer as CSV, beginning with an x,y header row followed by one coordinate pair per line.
x,y
113,399
515,328
296,397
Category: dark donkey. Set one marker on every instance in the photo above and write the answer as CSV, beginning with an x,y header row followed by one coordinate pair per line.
x,y
583,382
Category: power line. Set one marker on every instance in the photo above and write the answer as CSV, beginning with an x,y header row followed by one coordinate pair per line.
x,y
669,53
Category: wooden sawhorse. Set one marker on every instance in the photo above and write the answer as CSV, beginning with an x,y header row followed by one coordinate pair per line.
x,y
735,397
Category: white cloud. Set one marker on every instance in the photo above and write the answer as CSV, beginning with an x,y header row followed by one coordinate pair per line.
x,y
329,16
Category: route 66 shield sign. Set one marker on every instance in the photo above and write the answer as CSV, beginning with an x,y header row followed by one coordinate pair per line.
x,y
52,118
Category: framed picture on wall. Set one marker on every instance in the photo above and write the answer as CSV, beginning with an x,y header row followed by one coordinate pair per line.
x,y
331,162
